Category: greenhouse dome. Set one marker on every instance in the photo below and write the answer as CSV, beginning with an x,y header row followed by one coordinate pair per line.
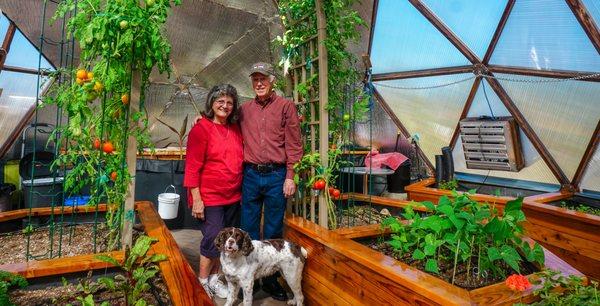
x,y
319,152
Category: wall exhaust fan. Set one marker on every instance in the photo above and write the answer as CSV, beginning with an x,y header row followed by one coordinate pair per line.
x,y
491,143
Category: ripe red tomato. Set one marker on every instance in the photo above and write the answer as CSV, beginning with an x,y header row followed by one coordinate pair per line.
x,y
319,184
108,147
96,144
336,193
331,189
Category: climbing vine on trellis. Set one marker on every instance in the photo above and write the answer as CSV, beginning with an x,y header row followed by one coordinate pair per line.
x,y
117,38
346,100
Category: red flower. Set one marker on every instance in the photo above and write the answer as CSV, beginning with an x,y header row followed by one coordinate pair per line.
x,y
518,282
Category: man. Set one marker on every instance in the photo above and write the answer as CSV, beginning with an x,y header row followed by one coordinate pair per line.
x,y
272,145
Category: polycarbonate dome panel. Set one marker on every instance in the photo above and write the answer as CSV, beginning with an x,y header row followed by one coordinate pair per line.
x,y
3,26
405,40
593,7
563,115
535,168
23,54
474,22
545,39
17,98
591,178
431,113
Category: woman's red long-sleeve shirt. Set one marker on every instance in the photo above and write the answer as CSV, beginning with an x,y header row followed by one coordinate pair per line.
x,y
213,162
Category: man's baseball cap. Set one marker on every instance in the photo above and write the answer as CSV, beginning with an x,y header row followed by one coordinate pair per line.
x,y
262,68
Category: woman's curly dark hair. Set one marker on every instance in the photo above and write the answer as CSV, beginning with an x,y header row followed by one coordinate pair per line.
x,y
217,92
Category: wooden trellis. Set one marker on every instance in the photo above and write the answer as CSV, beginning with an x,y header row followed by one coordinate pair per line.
x,y
311,63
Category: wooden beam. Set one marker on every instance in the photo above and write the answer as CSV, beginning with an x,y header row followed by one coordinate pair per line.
x,y
436,22
498,32
555,74
465,111
587,157
528,130
10,33
131,156
372,29
323,101
400,126
421,73
586,21
24,70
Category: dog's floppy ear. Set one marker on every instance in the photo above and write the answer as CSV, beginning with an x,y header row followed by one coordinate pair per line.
x,y
247,246
221,237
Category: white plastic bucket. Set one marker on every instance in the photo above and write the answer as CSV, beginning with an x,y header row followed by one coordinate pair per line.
x,y
168,204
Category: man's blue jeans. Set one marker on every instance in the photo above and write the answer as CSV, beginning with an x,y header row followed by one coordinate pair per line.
x,y
258,189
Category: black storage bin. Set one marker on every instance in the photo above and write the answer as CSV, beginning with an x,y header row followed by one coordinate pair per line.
x,y
43,192
153,176
400,178
5,192
41,166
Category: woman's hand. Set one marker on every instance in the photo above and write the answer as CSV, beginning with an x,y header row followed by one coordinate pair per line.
x,y
198,205
198,209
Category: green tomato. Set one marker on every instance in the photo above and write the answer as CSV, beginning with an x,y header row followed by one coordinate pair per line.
x,y
149,3
346,117
123,24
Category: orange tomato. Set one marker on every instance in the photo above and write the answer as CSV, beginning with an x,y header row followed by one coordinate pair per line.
x,y
98,87
113,176
125,99
79,81
108,147
81,74
90,75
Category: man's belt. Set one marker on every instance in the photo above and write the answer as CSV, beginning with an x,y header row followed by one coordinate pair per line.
x,y
265,168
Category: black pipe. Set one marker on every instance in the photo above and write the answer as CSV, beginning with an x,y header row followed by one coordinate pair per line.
x,y
439,169
448,164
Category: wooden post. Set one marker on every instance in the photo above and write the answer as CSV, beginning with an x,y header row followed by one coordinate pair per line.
x,y
323,100
128,211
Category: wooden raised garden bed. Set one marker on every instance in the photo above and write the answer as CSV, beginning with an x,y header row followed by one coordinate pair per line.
x,y
182,285
570,234
426,190
342,271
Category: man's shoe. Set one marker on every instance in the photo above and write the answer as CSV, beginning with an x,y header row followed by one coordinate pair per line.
x,y
275,290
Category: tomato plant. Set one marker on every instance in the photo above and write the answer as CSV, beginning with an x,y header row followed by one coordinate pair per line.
x,y
117,39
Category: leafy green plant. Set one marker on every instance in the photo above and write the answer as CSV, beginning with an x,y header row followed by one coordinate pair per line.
x,y
581,208
181,133
9,281
557,290
462,231
344,79
118,39
138,268
448,185
328,174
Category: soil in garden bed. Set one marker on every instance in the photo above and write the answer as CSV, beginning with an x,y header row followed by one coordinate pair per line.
x,y
494,189
75,239
65,294
462,278
358,215
581,204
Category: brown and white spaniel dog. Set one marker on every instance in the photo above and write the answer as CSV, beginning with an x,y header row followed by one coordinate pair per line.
x,y
244,260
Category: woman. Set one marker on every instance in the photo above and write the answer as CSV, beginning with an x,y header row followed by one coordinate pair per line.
x,y
213,176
